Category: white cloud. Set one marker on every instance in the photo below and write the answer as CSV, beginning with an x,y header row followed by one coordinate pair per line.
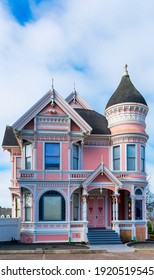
x,y
97,35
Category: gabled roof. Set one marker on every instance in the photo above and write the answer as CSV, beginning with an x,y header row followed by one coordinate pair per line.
x,y
101,169
97,121
74,96
53,97
126,92
9,139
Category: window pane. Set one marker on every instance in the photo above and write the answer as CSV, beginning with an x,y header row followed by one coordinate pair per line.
x,y
27,214
18,166
28,199
138,209
76,207
130,157
52,149
116,164
28,150
28,163
75,151
138,192
52,208
52,158
17,201
75,164
142,159
28,159
75,157
142,165
130,164
116,158
131,150
143,152
116,152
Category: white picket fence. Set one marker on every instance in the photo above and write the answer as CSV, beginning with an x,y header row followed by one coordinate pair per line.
x,y
9,229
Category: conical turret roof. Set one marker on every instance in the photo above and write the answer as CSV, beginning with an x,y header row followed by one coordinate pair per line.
x,y
126,92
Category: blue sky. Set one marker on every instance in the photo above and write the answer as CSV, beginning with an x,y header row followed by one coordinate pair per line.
x,y
86,42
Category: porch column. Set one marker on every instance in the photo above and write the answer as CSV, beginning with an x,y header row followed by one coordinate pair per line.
x,y
116,208
133,207
84,213
84,204
115,212
133,217
113,207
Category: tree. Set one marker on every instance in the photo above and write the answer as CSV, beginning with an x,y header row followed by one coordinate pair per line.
x,y
150,204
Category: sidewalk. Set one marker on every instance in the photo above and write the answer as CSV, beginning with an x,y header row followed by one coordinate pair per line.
x,y
9,248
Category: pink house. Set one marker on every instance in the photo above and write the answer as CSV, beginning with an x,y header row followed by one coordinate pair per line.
x,y
79,176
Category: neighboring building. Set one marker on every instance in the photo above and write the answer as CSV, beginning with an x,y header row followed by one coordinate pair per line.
x,y
74,169
5,212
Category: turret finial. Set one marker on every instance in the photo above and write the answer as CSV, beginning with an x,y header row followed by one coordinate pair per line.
x,y
52,84
125,73
74,87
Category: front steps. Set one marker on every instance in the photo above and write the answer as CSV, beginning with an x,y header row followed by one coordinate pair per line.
x,y
101,236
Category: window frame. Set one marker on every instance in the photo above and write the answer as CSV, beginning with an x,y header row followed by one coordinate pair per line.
x,y
130,157
76,207
75,158
52,193
52,156
18,168
28,157
114,159
142,159
17,207
28,207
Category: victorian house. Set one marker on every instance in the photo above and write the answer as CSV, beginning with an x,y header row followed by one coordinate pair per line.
x,y
77,174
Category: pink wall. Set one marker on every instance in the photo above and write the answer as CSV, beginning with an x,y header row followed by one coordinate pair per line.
x,y
53,237
128,128
30,125
65,156
94,156
74,127
39,158
59,111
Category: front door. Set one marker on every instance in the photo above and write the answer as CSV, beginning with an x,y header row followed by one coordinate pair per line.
x,y
96,212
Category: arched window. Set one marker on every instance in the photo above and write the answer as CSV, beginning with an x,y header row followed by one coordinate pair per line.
x,y
52,207
138,192
138,209
138,204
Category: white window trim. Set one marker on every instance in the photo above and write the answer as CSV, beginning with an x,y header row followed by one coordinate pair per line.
x,y
120,157
30,207
79,208
136,167
60,154
24,150
79,154
144,159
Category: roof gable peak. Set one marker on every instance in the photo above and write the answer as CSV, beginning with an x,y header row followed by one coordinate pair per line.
x,y
52,97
